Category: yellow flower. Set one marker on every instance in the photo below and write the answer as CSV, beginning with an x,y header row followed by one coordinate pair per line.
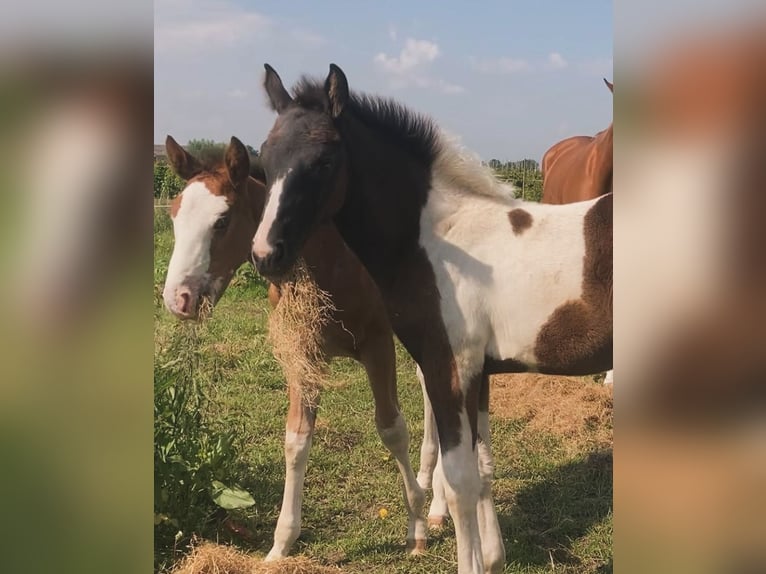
x,y
383,513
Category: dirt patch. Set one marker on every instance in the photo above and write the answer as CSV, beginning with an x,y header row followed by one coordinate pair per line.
x,y
209,558
574,408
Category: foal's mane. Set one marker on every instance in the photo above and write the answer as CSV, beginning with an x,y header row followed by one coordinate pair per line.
x,y
416,133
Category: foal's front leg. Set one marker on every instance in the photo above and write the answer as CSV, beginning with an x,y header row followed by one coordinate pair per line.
x,y
492,548
298,434
430,474
454,394
379,359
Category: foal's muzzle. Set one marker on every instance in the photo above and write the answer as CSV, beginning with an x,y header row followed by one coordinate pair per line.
x,y
273,263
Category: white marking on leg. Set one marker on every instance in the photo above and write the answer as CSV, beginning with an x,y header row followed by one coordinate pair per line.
x,y
261,246
396,439
297,446
429,451
193,232
492,548
462,487
439,510
609,379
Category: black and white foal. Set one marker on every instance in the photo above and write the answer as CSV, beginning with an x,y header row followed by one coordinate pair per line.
x,y
474,281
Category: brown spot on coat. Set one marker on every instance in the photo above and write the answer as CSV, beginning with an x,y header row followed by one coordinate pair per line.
x,y
577,338
520,219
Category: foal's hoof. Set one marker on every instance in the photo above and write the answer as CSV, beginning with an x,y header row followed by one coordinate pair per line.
x,y
416,547
436,522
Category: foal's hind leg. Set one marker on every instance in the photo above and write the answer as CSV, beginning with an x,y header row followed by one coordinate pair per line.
x,y
299,432
492,548
379,360
431,475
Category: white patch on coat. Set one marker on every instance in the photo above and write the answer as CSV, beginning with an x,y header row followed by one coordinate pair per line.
x,y
193,231
498,288
261,246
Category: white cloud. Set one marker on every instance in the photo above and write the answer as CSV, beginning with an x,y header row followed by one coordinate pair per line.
x,y
598,67
449,88
415,53
225,28
502,65
409,67
308,38
237,94
557,61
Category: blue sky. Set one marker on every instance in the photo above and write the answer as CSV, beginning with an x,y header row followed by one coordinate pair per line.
x,y
510,78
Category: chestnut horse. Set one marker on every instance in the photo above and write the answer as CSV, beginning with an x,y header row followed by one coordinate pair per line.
x,y
475,282
579,168
214,220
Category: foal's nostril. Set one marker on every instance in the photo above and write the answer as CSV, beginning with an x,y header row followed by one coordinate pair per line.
x,y
183,301
278,251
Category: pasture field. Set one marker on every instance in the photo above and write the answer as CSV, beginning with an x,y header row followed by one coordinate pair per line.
x,y
551,441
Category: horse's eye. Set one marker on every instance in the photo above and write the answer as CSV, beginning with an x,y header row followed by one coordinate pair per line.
x,y
222,222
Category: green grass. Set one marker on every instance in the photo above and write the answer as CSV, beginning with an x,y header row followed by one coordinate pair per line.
x,y
554,507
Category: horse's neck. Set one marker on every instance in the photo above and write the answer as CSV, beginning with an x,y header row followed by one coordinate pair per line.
x,y
386,191
256,193
605,145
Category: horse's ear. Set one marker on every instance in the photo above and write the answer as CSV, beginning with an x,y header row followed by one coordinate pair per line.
x,y
257,171
336,87
609,85
237,161
278,96
184,164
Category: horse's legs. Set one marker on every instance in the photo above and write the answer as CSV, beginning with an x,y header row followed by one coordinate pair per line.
x,y
492,547
298,434
378,357
431,475
456,416
429,451
609,379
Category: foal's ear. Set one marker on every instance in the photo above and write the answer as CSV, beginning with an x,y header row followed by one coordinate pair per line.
x,y
609,85
237,161
184,164
336,88
278,96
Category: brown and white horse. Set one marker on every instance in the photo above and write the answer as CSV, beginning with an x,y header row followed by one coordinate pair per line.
x,y
579,168
474,281
214,220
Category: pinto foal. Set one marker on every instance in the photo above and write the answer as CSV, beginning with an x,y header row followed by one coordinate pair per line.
x,y
214,220
474,281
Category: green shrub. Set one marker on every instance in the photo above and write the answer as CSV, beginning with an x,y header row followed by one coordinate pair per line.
x,y
194,460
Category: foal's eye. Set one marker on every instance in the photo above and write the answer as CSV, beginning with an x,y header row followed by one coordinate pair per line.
x,y
222,222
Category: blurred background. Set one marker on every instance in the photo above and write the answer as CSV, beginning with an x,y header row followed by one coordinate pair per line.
x,y
76,117
689,262
76,260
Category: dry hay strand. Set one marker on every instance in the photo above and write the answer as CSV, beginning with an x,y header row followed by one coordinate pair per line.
x,y
205,309
295,332
574,408
209,558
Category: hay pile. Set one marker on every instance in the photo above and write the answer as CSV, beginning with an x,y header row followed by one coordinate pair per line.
x,y
574,408
295,332
209,558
